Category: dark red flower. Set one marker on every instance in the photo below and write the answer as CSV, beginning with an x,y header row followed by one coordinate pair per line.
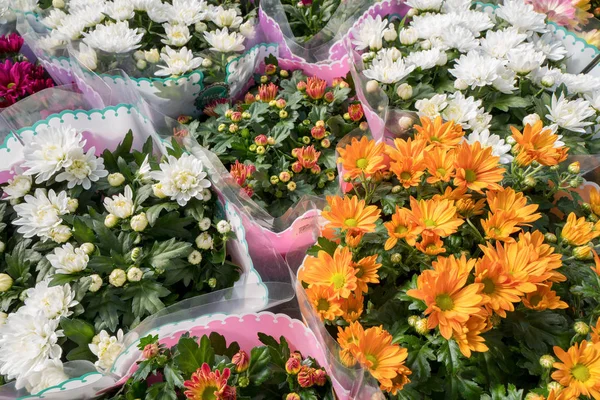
x,y
10,43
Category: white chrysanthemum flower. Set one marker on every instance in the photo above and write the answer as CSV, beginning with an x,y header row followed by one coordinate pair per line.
x,y
47,152
204,241
87,57
430,25
427,59
106,348
522,16
178,62
144,5
451,6
18,186
60,233
26,342
114,38
54,19
182,179
204,224
476,69
456,37
461,109
120,10
475,21
143,173
432,107
40,213
523,59
369,34
482,121
120,205
570,114
248,28
24,5
68,259
222,41
159,12
51,41
223,227
177,35
53,302
581,83
90,15
499,147
552,48
386,69
50,373
425,5
6,14
506,80
554,74
593,99
75,5
82,169
499,43
70,29
187,12
226,18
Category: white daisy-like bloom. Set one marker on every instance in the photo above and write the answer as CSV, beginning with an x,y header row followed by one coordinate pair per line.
x,y
593,99
39,213
178,62
143,173
248,28
552,48
427,59
47,152
114,38
431,107
50,373
120,10
425,5
53,302
499,43
570,114
204,241
51,42
18,186
70,29
499,147
177,35
430,25
83,169
554,74
506,80
369,34
461,109
522,16
87,57
222,41
68,259
187,12
106,348
226,18
581,83
89,15
121,205
182,179
204,224
456,37
457,6
223,227
386,69
523,59
75,5
476,70
475,21
482,120
159,12
26,341
144,5
54,19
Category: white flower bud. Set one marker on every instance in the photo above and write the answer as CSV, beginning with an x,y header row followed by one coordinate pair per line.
x,y
195,257
60,233
88,248
426,44
368,56
372,86
139,222
96,283
389,35
442,59
531,119
206,63
141,65
204,241
405,123
204,224
58,3
3,317
223,227
460,84
206,194
139,55
72,205
134,274
510,140
116,179
2,247
412,12
110,221
404,91
548,81
152,56
158,191
408,36
117,277
200,27
6,282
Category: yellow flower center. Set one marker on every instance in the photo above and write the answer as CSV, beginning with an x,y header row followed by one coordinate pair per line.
x,y
429,223
470,176
441,171
580,372
444,302
362,163
488,286
431,247
338,280
11,85
352,222
373,361
400,229
405,176
323,305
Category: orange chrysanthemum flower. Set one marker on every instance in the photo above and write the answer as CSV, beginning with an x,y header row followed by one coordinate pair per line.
x,y
348,339
500,226
469,339
461,266
435,216
595,201
498,290
351,213
268,92
362,157
307,156
403,149
315,87
596,267
431,245
537,144
544,252
440,164
336,272
450,301
543,298
477,168
393,386
366,272
595,335
353,307
407,172
578,231
453,194
466,207
325,302
513,204
353,238
206,384
439,133
402,226
579,370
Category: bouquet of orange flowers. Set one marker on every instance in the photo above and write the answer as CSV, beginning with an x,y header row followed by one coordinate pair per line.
x,y
447,274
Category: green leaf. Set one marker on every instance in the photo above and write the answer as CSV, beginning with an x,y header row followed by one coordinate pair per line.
x,y
82,233
142,194
144,369
172,225
61,279
173,376
504,102
499,392
190,356
81,352
107,306
105,238
78,331
418,362
219,345
324,244
162,252
152,213
145,296
17,262
258,371
102,264
124,147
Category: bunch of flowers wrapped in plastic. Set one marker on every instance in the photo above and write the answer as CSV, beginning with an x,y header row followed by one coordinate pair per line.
x,y
279,142
19,78
93,244
152,37
486,72
208,368
308,17
447,271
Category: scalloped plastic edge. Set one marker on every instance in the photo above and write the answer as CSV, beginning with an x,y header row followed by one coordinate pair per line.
x,y
59,387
